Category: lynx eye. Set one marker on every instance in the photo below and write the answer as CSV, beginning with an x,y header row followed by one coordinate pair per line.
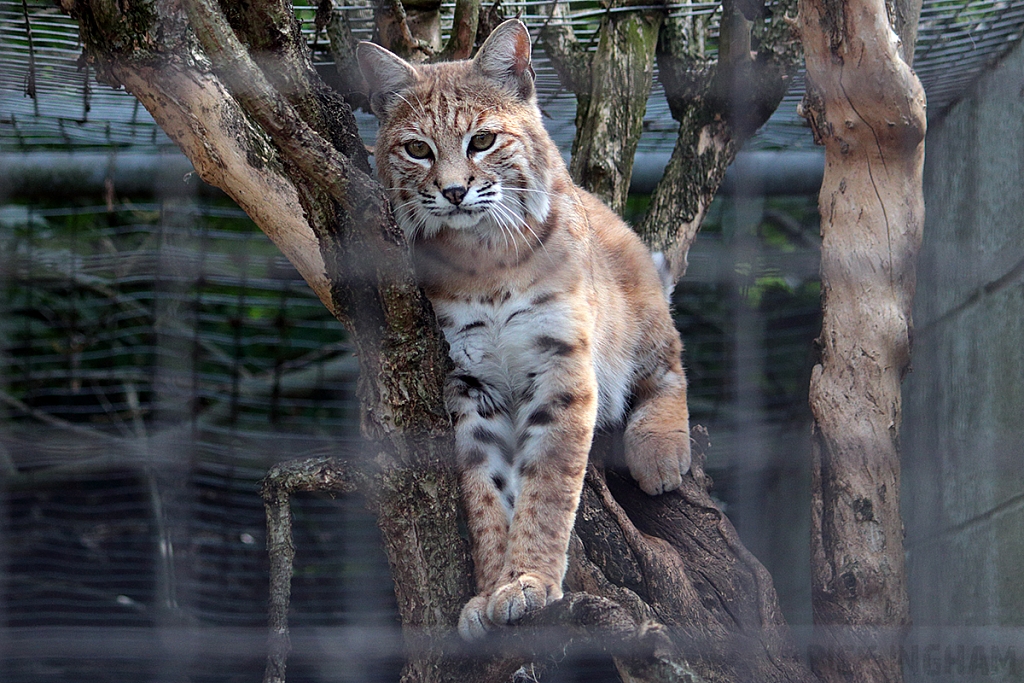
x,y
481,142
418,149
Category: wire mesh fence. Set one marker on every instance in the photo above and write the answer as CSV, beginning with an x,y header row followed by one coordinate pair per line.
x,y
157,359
49,100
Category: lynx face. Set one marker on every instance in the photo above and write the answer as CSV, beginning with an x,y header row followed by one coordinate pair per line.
x,y
464,168
462,146
554,313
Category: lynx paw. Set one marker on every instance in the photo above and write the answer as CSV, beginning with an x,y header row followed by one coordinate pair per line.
x,y
514,600
473,621
658,461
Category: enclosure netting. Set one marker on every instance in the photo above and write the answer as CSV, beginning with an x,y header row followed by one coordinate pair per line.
x,y
159,354
39,52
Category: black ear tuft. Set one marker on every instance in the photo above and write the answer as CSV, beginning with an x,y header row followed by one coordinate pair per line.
x,y
505,58
386,73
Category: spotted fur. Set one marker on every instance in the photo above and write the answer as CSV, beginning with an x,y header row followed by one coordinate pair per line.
x,y
554,312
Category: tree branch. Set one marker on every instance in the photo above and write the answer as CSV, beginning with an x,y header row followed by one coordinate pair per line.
x,y
316,474
394,32
52,421
291,134
612,86
571,60
365,256
272,33
353,255
676,560
463,36
343,50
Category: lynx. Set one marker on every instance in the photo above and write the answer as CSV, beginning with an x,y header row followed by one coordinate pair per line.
x,y
554,312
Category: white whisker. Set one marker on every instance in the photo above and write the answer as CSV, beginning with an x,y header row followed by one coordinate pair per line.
x,y
523,223
506,230
419,110
527,189
510,219
510,222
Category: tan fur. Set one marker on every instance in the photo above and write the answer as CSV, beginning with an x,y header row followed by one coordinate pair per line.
x,y
553,309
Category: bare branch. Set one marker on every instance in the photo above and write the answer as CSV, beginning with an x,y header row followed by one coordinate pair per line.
x,y
364,251
488,19
904,17
718,106
272,33
48,419
316,474
570,59
343,49
734,35
349,186
612,86
394,32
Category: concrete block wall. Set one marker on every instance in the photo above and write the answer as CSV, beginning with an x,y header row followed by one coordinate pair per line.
x,y
963,428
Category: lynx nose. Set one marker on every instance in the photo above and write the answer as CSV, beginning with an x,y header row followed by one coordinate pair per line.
x,y
455,194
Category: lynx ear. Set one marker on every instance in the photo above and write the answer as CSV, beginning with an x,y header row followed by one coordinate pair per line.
x,y
385,72
505,58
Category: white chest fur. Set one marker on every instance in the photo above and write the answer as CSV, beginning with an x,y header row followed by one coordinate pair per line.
x,y
495,341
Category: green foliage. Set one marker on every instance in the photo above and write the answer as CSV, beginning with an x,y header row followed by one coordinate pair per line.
x,y
771,285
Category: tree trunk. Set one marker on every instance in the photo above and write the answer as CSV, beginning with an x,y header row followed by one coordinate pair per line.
x,y
662,584
612,86
867,108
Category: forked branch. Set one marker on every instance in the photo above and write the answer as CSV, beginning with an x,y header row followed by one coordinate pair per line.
x,y
348,185
719,104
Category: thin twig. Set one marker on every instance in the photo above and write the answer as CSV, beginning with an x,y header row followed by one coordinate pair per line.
x,y
46,418
30,79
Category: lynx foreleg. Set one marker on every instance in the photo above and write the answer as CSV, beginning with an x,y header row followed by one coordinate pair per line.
x,y
535,561
657,438
482,434
555,440
488,532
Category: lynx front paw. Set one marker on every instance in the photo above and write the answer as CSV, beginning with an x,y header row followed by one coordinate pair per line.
x,y
528,593
473,621
658,461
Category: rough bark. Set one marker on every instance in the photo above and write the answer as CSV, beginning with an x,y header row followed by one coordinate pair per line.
x,y
675,562
671,594
661,585
867,108
332,222
307,475
464,27
612,87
